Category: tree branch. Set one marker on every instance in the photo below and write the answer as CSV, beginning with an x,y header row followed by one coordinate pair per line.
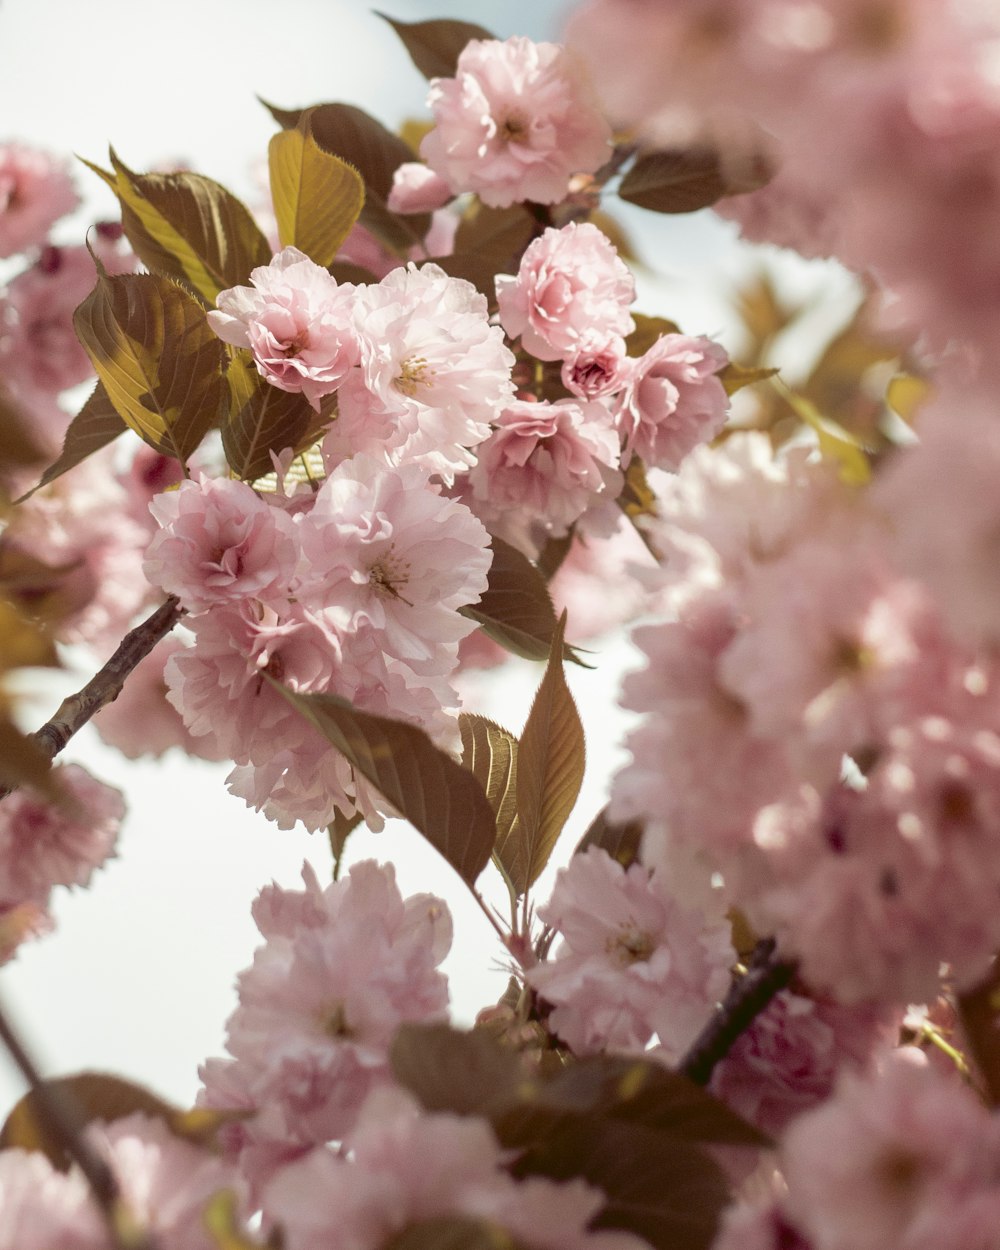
x,y
764,978
106,685
63,1123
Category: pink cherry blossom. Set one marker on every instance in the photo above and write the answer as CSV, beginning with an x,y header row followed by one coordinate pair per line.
x,y
599,367
544,465
36,189
219,542
417,189
434,374
570,282
44,1209
44,844
634,960
296,320
340,970
672,400
406,1167
39,349
514,124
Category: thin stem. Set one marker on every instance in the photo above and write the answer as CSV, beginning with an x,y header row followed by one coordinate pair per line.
x,y
490,916
764,978
106,685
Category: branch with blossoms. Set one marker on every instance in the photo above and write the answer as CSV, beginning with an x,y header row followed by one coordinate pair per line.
x,y
407,420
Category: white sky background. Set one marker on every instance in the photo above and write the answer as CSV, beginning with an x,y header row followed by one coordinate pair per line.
x,y
138,977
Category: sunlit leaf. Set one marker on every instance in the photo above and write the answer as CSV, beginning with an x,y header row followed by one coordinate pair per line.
x,y
647,331
734,377
435,46
262,419
187,227
24,763
94,426
550,764
159,361
222,1222
516,609
376,153
453,1232
621,841
440,798
637,498
835,443
317,196
24,642
489,752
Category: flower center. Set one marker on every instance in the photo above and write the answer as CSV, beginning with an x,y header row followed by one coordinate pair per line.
x,y
335,1024
514,128
388,574
630,946
413,372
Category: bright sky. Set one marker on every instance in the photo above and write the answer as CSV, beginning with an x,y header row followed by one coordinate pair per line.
x,y
138,978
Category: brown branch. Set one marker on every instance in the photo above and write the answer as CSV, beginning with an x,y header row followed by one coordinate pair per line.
x,y
106,685
63,1124
764,978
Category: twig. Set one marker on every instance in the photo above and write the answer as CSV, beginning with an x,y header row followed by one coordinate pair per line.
x,y
764,978
63,1123
106,685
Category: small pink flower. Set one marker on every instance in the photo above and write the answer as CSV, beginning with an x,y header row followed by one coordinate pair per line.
x,y
673,401
417,189
514,124
570,282
35,190
544,466
297,321
219,542
600,367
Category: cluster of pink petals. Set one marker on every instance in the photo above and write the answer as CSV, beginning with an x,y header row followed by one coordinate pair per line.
x,y
634,962
794,642
353,590
544,465
433,374
905,1157
46,843
298,322
341,968
417,189
406,1167
515,123
571,283
166,1184
36,189
787,1061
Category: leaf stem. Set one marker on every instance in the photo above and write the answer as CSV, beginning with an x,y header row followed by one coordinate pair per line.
x,y
748,996
106,685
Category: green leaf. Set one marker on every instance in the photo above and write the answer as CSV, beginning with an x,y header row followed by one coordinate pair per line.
x,y
317,196
550,764
466,1073
435,46
734,377
262,418
682,180
94,426
489,752
489,242
637,499
648,330
440,798
187,227
516,609
155,353
376,153
621,841
835,443
658,1187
